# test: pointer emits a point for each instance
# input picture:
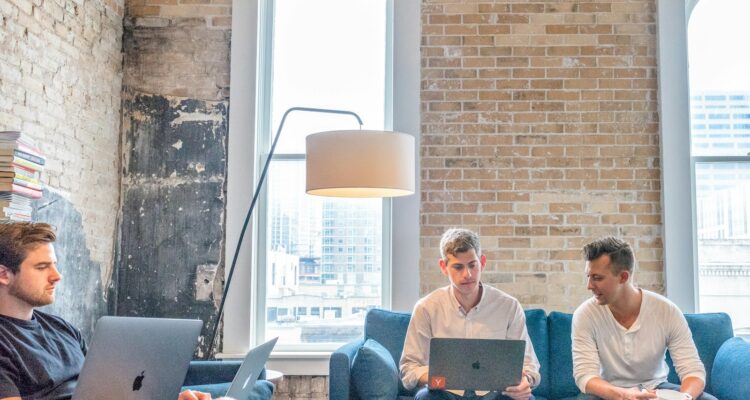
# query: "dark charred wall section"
(172, 228)
(80, 298)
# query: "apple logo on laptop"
(475, 365)
(138, 382)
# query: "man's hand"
(194, 395)
(520, 392)
(635, 394)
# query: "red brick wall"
(540, 132)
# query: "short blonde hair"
(459, 240)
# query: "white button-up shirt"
(496, 316)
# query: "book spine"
(27, 184)
(26, 192)
(27, 164)
(30, 178)
(38, 159)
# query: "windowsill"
(292, 363)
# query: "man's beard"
(32, 299)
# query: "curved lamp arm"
(261, 180)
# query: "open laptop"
(137, 359)
(476, 364)
(250, 369)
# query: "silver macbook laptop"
(137, 359)
(250, 369)
(476, 364)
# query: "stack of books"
(21, 165)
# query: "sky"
(718, 33)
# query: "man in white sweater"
(620, 336)
(464, 309)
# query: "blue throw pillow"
(374, 373)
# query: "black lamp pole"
(252, 207)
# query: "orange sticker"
(437, 382)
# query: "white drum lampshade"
(360, 164)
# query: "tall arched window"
(719, 81)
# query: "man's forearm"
(601, 388)
(692, 385)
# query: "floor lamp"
(356, 163)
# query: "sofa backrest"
(389, 329)
(536, 324)
(709, 331)
(561, 379)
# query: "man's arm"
(11, 398)
(692, 385)
(687, 363)
(194, 395)
(601, 388)
(413, 366)
(517, 330)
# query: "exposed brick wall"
(540, 131)
(60, 82)
(178, 48)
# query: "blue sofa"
(726, 358)
(215, 377)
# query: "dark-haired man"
(41, 355)
(620, 335)
(465, 309)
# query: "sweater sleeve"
(586, 363)
(415, 357)
(684, 354)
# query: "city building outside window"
(325, 255)
(719, 81)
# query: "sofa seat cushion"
(374, 373)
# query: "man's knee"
(427, 394)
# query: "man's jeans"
(427, 394)
(665, 385)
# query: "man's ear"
(443, 266)
(5, 275)
(624, 276)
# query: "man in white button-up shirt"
(464, 309)
(620, 336)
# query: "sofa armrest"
(340, 370)
(730, 375)
(208, 372)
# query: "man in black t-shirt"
(41, 355)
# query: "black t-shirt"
(40, 358)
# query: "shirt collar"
(457, 305)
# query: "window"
(312, 64)
(241, 326)
(720, 75)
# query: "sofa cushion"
(561, 379)
(536, 325)
(709, 331)
(729, 374)
(374, 373)
(389, 329)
